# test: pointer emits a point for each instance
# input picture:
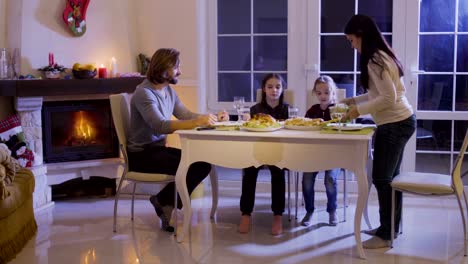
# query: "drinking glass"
(244, 114)
(293, 111)
(338, 112)
(238, 103)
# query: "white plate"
(346, 127)
(227, 123)
(310, 128)
(265, 129)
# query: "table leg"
(363, 193)
(181, 185)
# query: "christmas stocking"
(74, 16)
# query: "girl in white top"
(385, 100)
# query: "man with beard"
(153, 104)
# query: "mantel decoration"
(53, 70)
(74, 16)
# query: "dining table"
(298, 150)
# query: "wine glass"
(238, 103)
(338, 112)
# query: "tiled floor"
(80, 231)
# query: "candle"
(51, 59)
(113, 68)
(102, 72)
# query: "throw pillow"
(11, 134)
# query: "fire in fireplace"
(78, 130)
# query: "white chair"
(121, 117)
(433, 184)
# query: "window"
(252, 39)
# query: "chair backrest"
(456, 173)
(121, 116)
(288, 96)
(312, 99)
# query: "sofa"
(17, 222)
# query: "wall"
(2, 23)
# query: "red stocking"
(74, 16)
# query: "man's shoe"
(164, 213)
(372, 232)
(333, 219)
(375, 242)
(307, 220)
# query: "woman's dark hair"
(265, 80)
(161, 62)
(372, 41)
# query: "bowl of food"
(84, 74)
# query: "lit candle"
(102, 72)
(113, 68)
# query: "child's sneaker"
(307, 220)
(164, 213)
(333, 219)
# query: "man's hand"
(206, 120)
(223, 116)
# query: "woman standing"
(385, 100)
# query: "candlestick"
(102, 72)
(51, 59)
(113, 68)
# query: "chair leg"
(466, 204)
(392, 229)
(116, 201)
(464, 223)
(345, 195)
(214, 191)
(401, 216)
(175, 210)
(296, 174)
(133, 198)
(289, 195)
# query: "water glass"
(244, 114)
(238, 103)
(293, 111)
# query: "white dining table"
(293, 149)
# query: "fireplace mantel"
(62, 87)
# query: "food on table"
(262, 121)
(304, 121)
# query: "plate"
(346, 127)
(309, 128)
(263, 129)
(227, 123)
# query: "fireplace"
(78, 130)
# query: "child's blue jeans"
(308, 182)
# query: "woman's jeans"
(308, 182)
(389, 143)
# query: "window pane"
(461, 97)
(258, 77)
(435, 92)
(336, 54)
(271, 53)
(233, 84)
(436, 53)
(334, 19)
(270, 16)
(233, 16)
(344, 81)
(433, 163)
(463, 16)
(234, 53)
(459, 134)
(380, 10)
(433, 135)
(462, 53)
(437, 15)
(359, 88)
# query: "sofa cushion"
(20, 191)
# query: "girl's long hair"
(265, 80)
(372, 41)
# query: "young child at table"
(325, 91)
(272, 104)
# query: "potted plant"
(52, 71)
